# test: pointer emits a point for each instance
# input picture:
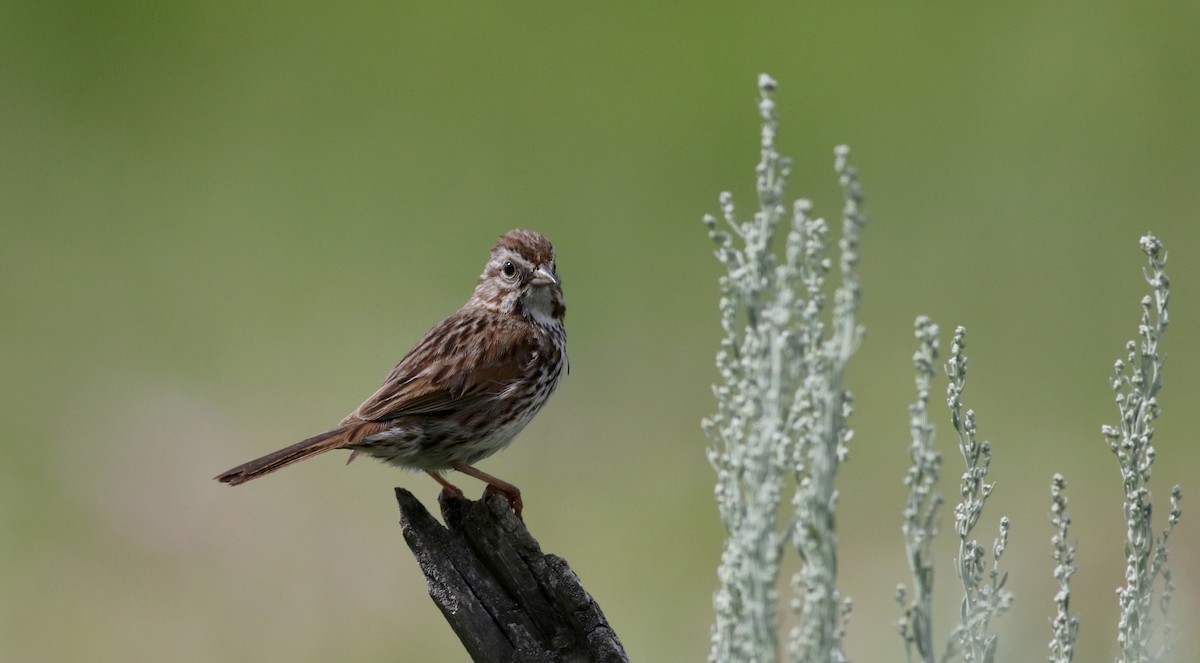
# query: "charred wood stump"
(506, 600)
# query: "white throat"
(539, 306)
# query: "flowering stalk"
(981, 600)
(920, 509)
(818, 416)
(1136, 382)
(781, 410)
(1064, 625)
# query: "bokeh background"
(223, 222)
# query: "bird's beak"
(543, 276)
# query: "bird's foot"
(513, 498)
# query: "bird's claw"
(513, 499)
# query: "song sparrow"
(469, 386)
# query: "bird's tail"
(299, 451)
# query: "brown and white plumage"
(469, 386)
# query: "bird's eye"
(509, 269)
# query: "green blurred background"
(223, 222)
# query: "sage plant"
(781, 412)
(1136, 382)
(984, 596)
(1064, 625)
(920, 524)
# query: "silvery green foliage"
(781, 410)
(920, 509)
(1136, 382)
(1064, 625)
(819, 412)
(984, 596)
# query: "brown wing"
(465, 360)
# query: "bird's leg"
(509, 491)
(449, 490)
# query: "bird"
(468, 387)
